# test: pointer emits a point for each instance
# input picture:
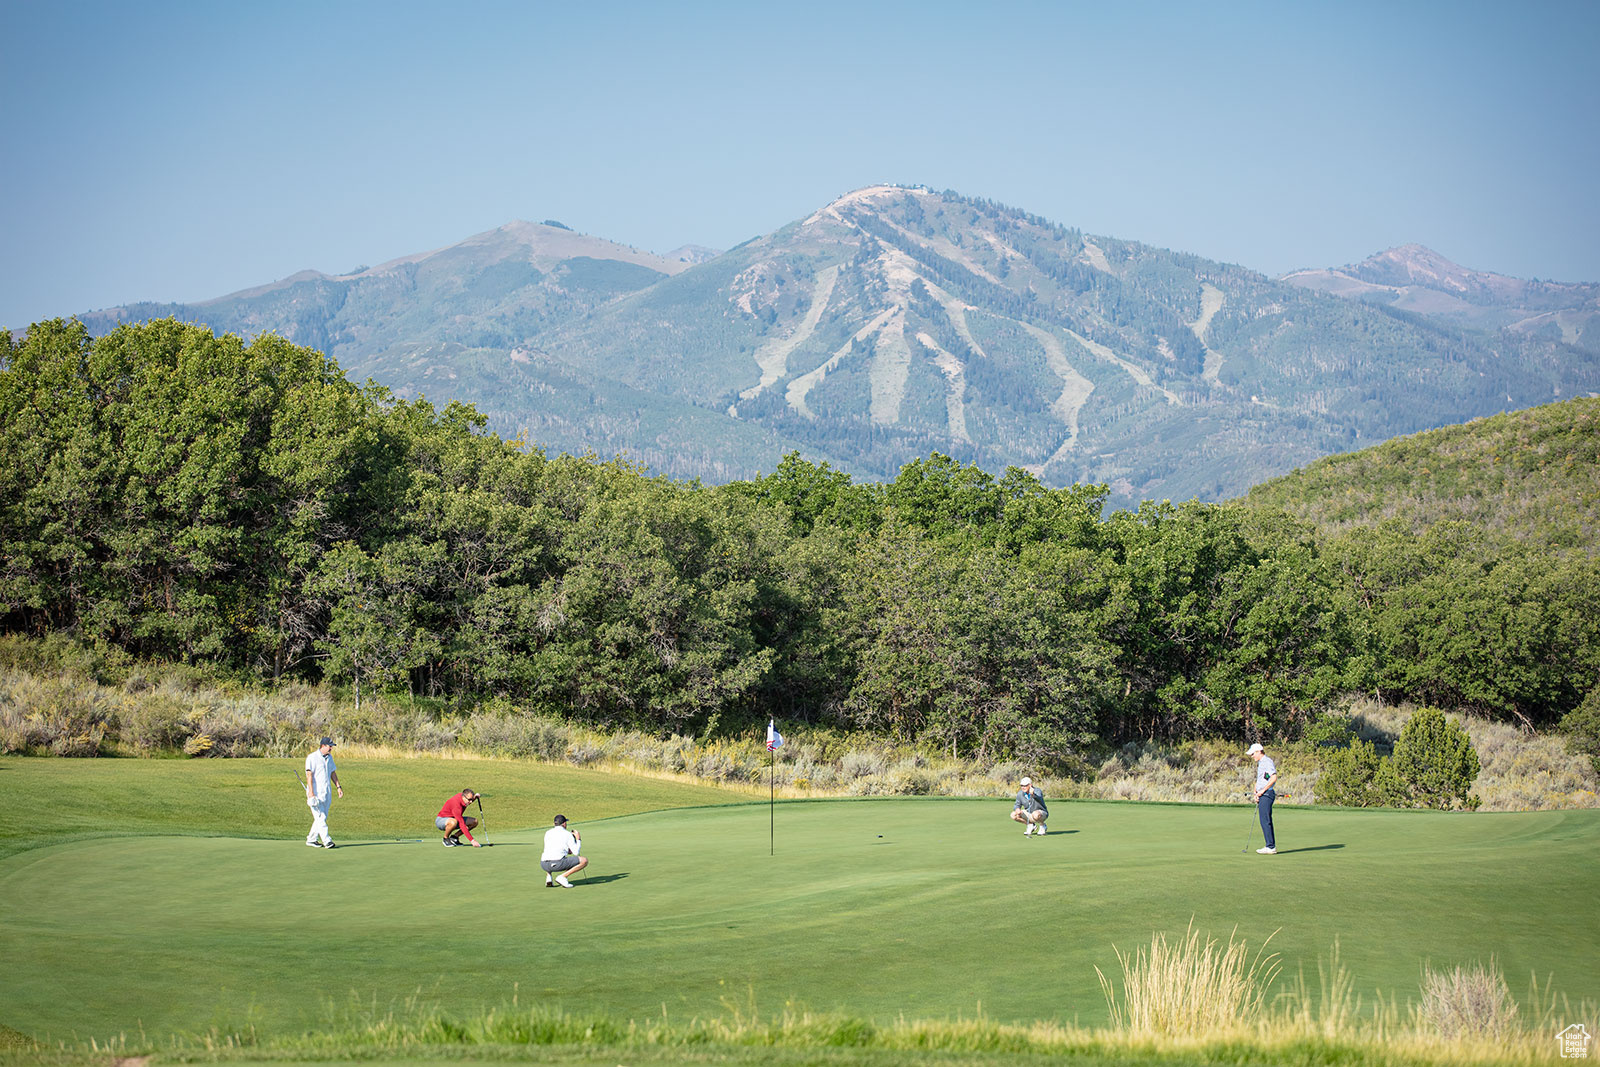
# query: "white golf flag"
(774, 738)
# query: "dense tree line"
(189, 497)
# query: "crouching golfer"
(1030, 809)
(561, 854)
(322, 777)
(454, 820)
(1266, 778)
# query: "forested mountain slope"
(897, 321)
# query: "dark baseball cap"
(560, 820)
(327, 741)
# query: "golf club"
(483, 822)
(1253, 823)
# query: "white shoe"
(1267, 851)
(563, 883)
(1027, 832)
(1041, 829)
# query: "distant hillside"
(1532, 474)
(494, 290)
(894, 322)
(1417, 279)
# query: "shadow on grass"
(603, 878)
(1309, 848)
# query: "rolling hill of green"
(1532, 475)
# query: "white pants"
(319, 818)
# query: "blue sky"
(180, 151)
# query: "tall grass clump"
(1197, 986)
(1333, 1013)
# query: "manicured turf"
(878, 908)
(49, 801)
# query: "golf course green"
(882, 908)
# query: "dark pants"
(1264, 809)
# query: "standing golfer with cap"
(561, 854)
(1030, 809)
(321, 774)
(1266, 778)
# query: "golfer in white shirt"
(322, 777)
(1264, 794)
(561, 854)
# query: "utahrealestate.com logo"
(1574, 1042)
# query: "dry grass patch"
(1190, 987)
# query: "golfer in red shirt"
(454, 820)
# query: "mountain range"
(897, 321)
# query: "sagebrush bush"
(517, 736)
(1468, 1002)
(583, 753)
(862, 763)
(154, 723)
(65, 714)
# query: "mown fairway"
(878, 908)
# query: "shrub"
(232, 732)
(521, 736)
(583, 753)
(910, 778)
(1468, 1002)
(65, 715)
(1350, 777)
(1581, 726)
(58, 653)
(861, 764)
(1434, 763)
(155, 722)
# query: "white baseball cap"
(1026, 780)
(1253, 749)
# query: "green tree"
(376, 630)
(1460, 618)
(168, 486)
(1434, 762)
(1581, 726)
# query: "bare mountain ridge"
(896, 321)
(1415, 278)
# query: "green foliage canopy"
(179, 495)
